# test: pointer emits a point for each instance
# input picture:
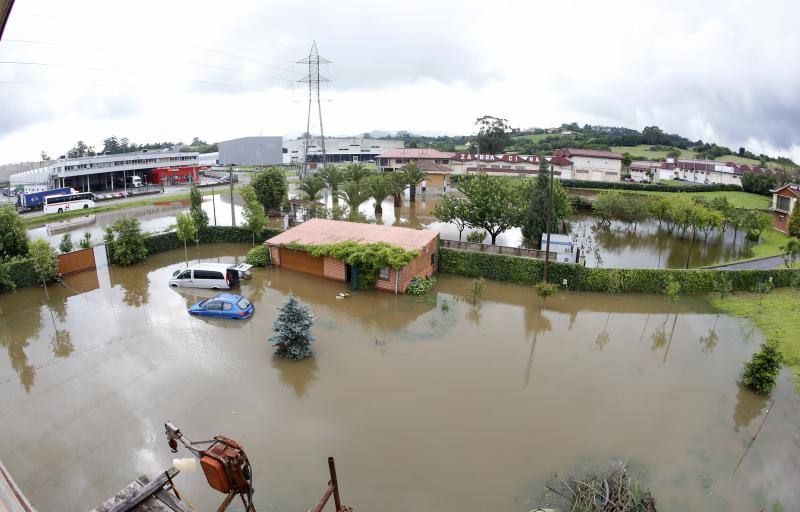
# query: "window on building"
(383, 274)
(784, 203)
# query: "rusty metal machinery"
(224, 464)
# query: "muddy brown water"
(425, 407)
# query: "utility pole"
(313, 79)
(549, 225)
(233, 211)
(213, 204)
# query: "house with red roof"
(508, 165)
(285, 251)
(784, 201)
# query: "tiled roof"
(324, 231)
(789, 187)
(560, 161)
(418, 153)
(591, 153)
(433, 167)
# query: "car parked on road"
(224, 305)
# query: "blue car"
(224, 305)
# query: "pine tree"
(293, 338)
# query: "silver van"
(216, 276)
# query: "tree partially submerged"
(494, 204)
(293, 338)
(253, 212)
(199, 215)
(14, 239)
(271, 188)
(452, 210)
(186, 231)
(761, 372)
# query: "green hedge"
(608, 280)
(17, 273)
(212, 234)
(655, 187)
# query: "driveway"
(760, 264)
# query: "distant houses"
(705, 172)
(570, 163)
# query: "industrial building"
(254, 151)
(113, 172)
(338, 150)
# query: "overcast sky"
(722, 71)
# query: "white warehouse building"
(109, 172)
(338, 150)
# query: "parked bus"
(68, 202)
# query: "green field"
(537, 137)
(644, 151)
(744, 200)
(775, 315)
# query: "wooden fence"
(76, 261)
(496, 249)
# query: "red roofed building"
(395, 159)
(518, 165)
(784, 201)
(323, 231)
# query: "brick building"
(323, 231)
(784, 201)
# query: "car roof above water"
(227, 296)
(211, 266)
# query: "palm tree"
(334, 177)
(311, 187)
(356, 172)
(353, 193)
(400, 181)
(382, 185)
(413, 176)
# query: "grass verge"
(41, 220)
(776, 315)
(744, 200)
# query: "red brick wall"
(782, 218)
(275, 255)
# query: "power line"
(259, 37)
(123, 71)
(291, 80)
(242, 58)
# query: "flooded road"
(424, 406)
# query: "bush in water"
(420, 285)
(258, 256)
(293, 338)
(761, 372)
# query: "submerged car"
(224, 305)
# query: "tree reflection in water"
(297, 375)
(749, 405)
(15, 335)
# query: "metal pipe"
(324, 500)
(335, 484)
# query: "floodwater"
(155, 218)
(424, 406)
(645, 245)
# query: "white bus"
(68, 202)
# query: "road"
(760, 264)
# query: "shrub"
(13, 235)
(529, 272)
(761, 372)
(420, 285)
(476, 237)
(129, 242)
(672, 288)
(43, 259)
(258, 256)
(86, 241)
(271, 188)
(626, 185)
(545, 290)
(293, 338)
(65, 245)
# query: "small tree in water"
(293, 338)
(761, 372)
